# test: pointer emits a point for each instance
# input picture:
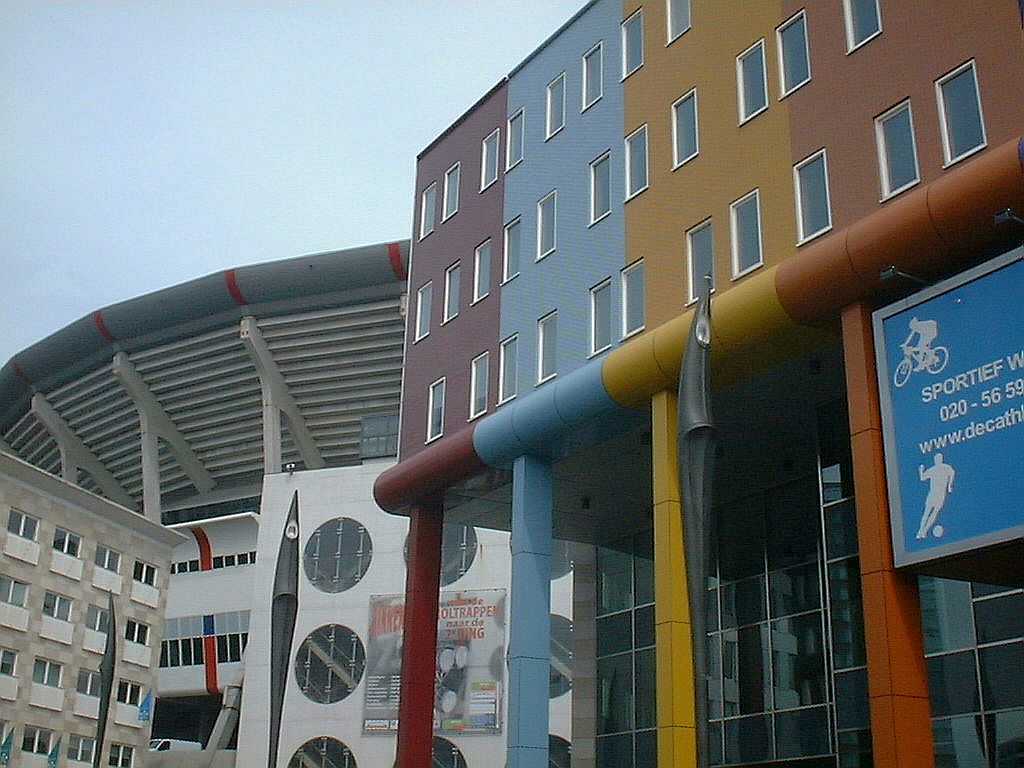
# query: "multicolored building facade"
(816, 163)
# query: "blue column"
(530, 630)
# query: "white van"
(174, 745)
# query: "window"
(547, 214)
(144, 573)
(451, 192)
(67, 542)
(108, 559)
(8, 659)
(751, 82)
(478, 385)
(684, 129)
(600, 188)
(632, 43)
(513, 245)
(489, 160)
(121, 756)
(80, 748)
(593, 75)
(701, 255)
(636, 162)
(600, 317)
(97, 619)
(508, 364)
(678, 17)
(963, 131)
(633, 313)
(428, 209)
(745, 223)
(230, 646)
(36, 740)
(452, 279)
(423, 298)
(13, 591)
(46, 672)
(22, 525)
(57, 606)
(482, 270)
(794, 54)
(514, 150)
(863, 22)
(810, 177)
(897, 152)
(129, 692)
(88, 682)
(435, 410)
(556, 106)
(547, 346)
(136, 632)
(181, 652)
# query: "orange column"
(897, 679)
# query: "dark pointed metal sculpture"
(284, 606)
(107, 665)
(696, 435)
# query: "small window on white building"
(547, 217)
(46, 672)
(678, 17)
(428, 209)
(513, 250)
(794, 53)
(121, 755)
(751, 82)
(136, 632)
(514, 150)
(963, 129)
(451, 192)
(556, 106)
(129, 692)
(12, 591)
(435, 410)
(593, 75)
(482, 270)
(22, 525)
(547, 347)
(701, 257)
(36, 741)
(745, 225)
(108, 559)
(600, 188)
(67, 542)
(80, 748)
(600, 317)
(144, 573)
(57, 606)
(452, 281)
(636, 162)
(423, 300)
(508, 364)
(632, 43)
(479, 372)
(897, 150)
(8, 661)
(863, 22)
(489, 160)
(813, 210)
(633, 317)
(684, 129)
(97, 618)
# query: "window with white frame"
(555, 106)
(633, 312)
(47, 672)
(108, 559)
(129, 692)
(136, 632)
(684, 129)
(863, 22)
(67, 542)
(632, 43)
(600, 317)
(482, 270)
(12, 591)
(701, 257)
(489, 159)
(600, 188)
(80, 748)
(897, 150)
(423, 299)
(963, 129)
(547, 346)
(435, 410)
(547, 215)
(452, 281)
(593, 75)
(8, 661)
(813, 210)
(22, 525)
(144, 573)
(636, 162)
(751, 81)
(450, 205)
(514, 148)
(428, 209)
(36, 740)
(88, 682)
(745, 226)
(794, 53)
(121, 756)
(512, 250)
(97, 618)
(508, 364)
(57, 606)
(479, 371)
(678, 13)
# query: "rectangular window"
(678, 17)
(751, 81)
(428, 210)
(745, 223)
(451, 192)
(863, 22)
(67, 542)
(13, 591)
(482, 270)
(136, 632)
(489, 160)
(684, 129)
(144, 573)
(813, 211)
(600, 188)
(80, 748)
(636, 162)
(452, 281)
(46, 672)
(22, 525)
(8, 659)
(963, 130)
(36, 741)
(129, 692)
(88, 682)
(508, 363)
(514, 150)
(897, 151)
(547, 214)
(479, 372)
(794, 54)
(556, 106)
(633, 313)
(97, 618)
(593, 75)
(547, 346)
(121, 756)
(632, 43)
(435, 410)
(423, 299)
(108, 559)
(701, 255)
(513, 246)
(600, 317)
(57, 606)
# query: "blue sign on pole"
(951, 383)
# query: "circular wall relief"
(561, 656)
(338, 554)
(458, 551)
(444, 754)
(329, 663)
(322, 752)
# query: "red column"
(419, 646)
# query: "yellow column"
(675, 684)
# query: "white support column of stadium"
(155, 423)
(277, 400)
(74, 454)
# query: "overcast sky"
(147, 142)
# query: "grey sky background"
(144, 143)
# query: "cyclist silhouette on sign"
(920, 356)
(939, 477)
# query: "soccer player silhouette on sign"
(939, 477)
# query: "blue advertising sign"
(951, 382)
